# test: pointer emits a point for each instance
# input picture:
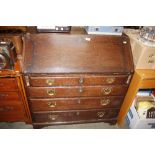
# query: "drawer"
(9, 96)
(75, 103)
(74, 116)
(92, 91)
(11, 111)
(12, 107)
(77, 80)
(8, 84)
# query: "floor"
(101, 125)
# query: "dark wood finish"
(75, 103)
(85, 80)
(75, 77)
(8, 84)
(10, 29)
(74, 116)
(76, 91)
(66, 53)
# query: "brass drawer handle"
(52, 117)
(81, 80)
(107, 90)
(50, 82)
(52, 104)
(51, 92)
(105, 102)
(110, 80)
(100, 114)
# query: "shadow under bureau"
(76, 78)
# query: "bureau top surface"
(76, 53)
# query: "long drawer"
(9, 96)
(11, 107)
(77, 80)
(12, 116)
(74, 116)
(11, 111)
(92, 91)
(8, 84)
(75, 103)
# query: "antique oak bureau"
(76, 78)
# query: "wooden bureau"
(76, 78)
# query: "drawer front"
(12, 117)
(75, 103)
(11, 111)
(92, 91)
(77, 80)
(8, 84)
(74, 116)
(9, 107)
(9, 96)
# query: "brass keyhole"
(80, 90)
(81, 80)
(53, 117)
